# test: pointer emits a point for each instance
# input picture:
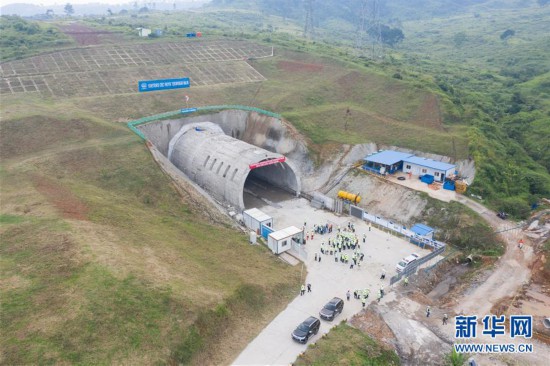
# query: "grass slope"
(102, 262)
(345, 345)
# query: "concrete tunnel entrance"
(230, 170)
(269, 185)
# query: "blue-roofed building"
(423, 231)
(385, 161)
(423, 166)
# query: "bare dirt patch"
(293, 66)
(61, 197)
(371, 322)
(87, 36)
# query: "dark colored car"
(503, 215)
(309, 327)
(332, 308)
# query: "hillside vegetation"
(345, 345)
(488, 63)
(21, 37)
(471, 82)
(102, 260)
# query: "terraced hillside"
(116, 69)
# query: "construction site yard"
(328, 278)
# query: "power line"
(369, 29)
(362, 25)
(375, 29)
(308, 27)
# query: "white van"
(406, 262)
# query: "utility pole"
(347, 118)
(362, 25)
(308, 27)
(375, 30)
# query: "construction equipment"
(355, 198)
(461, 186)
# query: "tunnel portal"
(223, 165)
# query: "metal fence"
(396, 229)
(437, 247)
(412, 269)
(356, 212)
(299, 250)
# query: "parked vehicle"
(332, 309)
(309, 327)
(503, 215)
(406, 262)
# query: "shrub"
(515, 206)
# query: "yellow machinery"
(355, 198)
(460, 186)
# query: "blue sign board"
(164, 84)
(188, 110)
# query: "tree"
(391, 36)
(388, 35)
(507, 34)
(459, 39)
(69, 10)
(110, 12)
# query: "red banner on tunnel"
(267, 162)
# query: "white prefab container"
(254, 218)
(143, 32)
(421, 166)
(281, 240)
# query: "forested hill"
(348, 10)
(489, 58)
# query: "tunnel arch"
(221, 164)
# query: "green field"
(104, 262)
(345, 345)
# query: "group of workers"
(345, 240)
(317, 229)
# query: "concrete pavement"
(274, 345)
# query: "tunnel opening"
(220, 156)
(269, 185)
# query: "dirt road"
(404, 311)
(511, 271)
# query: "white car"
(406, 262)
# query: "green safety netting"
(132, 125)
